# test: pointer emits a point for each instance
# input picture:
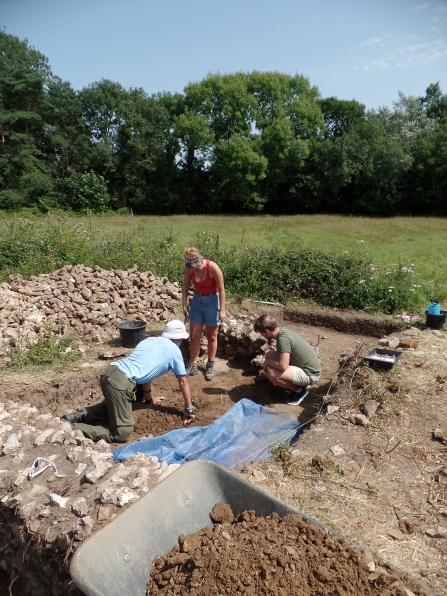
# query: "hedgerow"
(250, 271)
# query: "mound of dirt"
(262, 556)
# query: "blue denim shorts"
(205, 310)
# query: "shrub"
(84, 192)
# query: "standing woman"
(207, 307)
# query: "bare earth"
(263, 556)
(384, 492)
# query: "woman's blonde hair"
(191, 254)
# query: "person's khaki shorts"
(302, 378)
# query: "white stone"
(75, 454)
(98, 472)
(11, 444)
(337, 450)
(80, 468)
(58, 500)
(58, 437)
(44, 417)
(21, 477)
(140, 480)
(42, 437)
(7, 428)
(28, 430)
(359, 419)
(122, 471)
(168, 471)
(101, 445)
(27, 509)
(80, 507)
(37, 490)
(98, 458)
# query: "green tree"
(103, 105)
(287, 120)
(372, 167)
(84, 192)
(408, 120)
(435, 103)
(146, 170)
(23, 75)
(237, 170)
(67, 145)
(425, 184)
(340, 115)
(225, 101)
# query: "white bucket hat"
(175, 330)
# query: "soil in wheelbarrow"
(282, 556)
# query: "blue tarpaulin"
(246, 432)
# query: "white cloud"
(373, 41)
(422, 6)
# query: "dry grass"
(389, 466)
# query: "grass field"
(418, 244)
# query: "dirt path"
(382, 492)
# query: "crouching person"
(294, 365)
(152, 358)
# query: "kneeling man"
(294, 365)
(152, 358)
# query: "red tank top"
(207, 285)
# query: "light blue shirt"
(152, 358)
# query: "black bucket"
(132, 332)
(436, 321)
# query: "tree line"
(243, 142)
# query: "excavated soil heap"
(282, 556)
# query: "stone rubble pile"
(237, 340)
(90, 301)
(32, 511)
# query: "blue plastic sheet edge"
(246, 432)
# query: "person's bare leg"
(211, 335)
(282, 379)
(195, 333)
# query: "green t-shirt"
(301, 352)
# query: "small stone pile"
(86, 300)
(41, 528)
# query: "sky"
(367, 50)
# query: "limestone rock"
(40, 438)
(80, 507)
(439, 334)
(104, 513)
(11, 444)
(100, 469)
(391, 342)
(359, 419)
(168, 471)
(121, 496)
(370, 408)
